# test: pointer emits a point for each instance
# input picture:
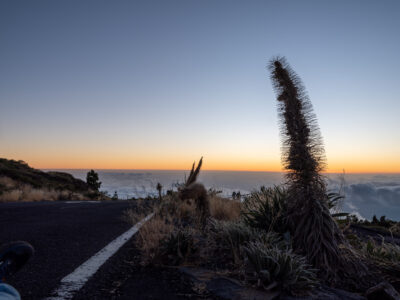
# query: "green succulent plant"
(273, 268)
(232, 236)
(266, 209)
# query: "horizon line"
(214, 170)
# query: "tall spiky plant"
(315, 233)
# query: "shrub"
(186, 212)
(177, 246)
(224, 209)
(228, 237)
(374, 220)
(395, 228)
(385, 252)
(92, 180)
(150, 237)
(11, 196)
(7, 183)
(266, 209)
(181, 212)
(169, 205)
(231, 236)
(236, 196)
(334, 204)
(159, 189)
(353, 239)
(271, 267)
(197, 192)
(132, 217)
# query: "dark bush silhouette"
(375, 220)
(159, 189)
(92, 179)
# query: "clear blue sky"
(156, 84)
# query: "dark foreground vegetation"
(20, 182)
(251, 243)
(284, 241)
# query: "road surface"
(64, 235)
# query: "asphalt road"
(64, 236)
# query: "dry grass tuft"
(7, 182)
(132, 217)
(224, 209)
(11, 196)
(176, 222)
(28, 194)
(186, 210)
(151, 235)
(153, 232)
(32, 195)
(198, 193)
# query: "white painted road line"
(71, 283)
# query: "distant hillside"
(20, 182)
(21, 172)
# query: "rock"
(396, 285)
(382, 291)
(326, 293)
(224, 287)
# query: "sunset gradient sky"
(158, 84)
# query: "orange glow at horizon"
(210, 163)
(171, 157)
(159, 164)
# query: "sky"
(158, 84)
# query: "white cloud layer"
(366, 194)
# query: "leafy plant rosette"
(272, 268)
(178, 246)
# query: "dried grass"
(186, 210)
(26, 193)
(224, 209)
(7, 182)
(11, 196)
(151, 235)
(132, 217)
(33, 195)
(79, 197)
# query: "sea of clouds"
(366, 194)
(370, 194)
